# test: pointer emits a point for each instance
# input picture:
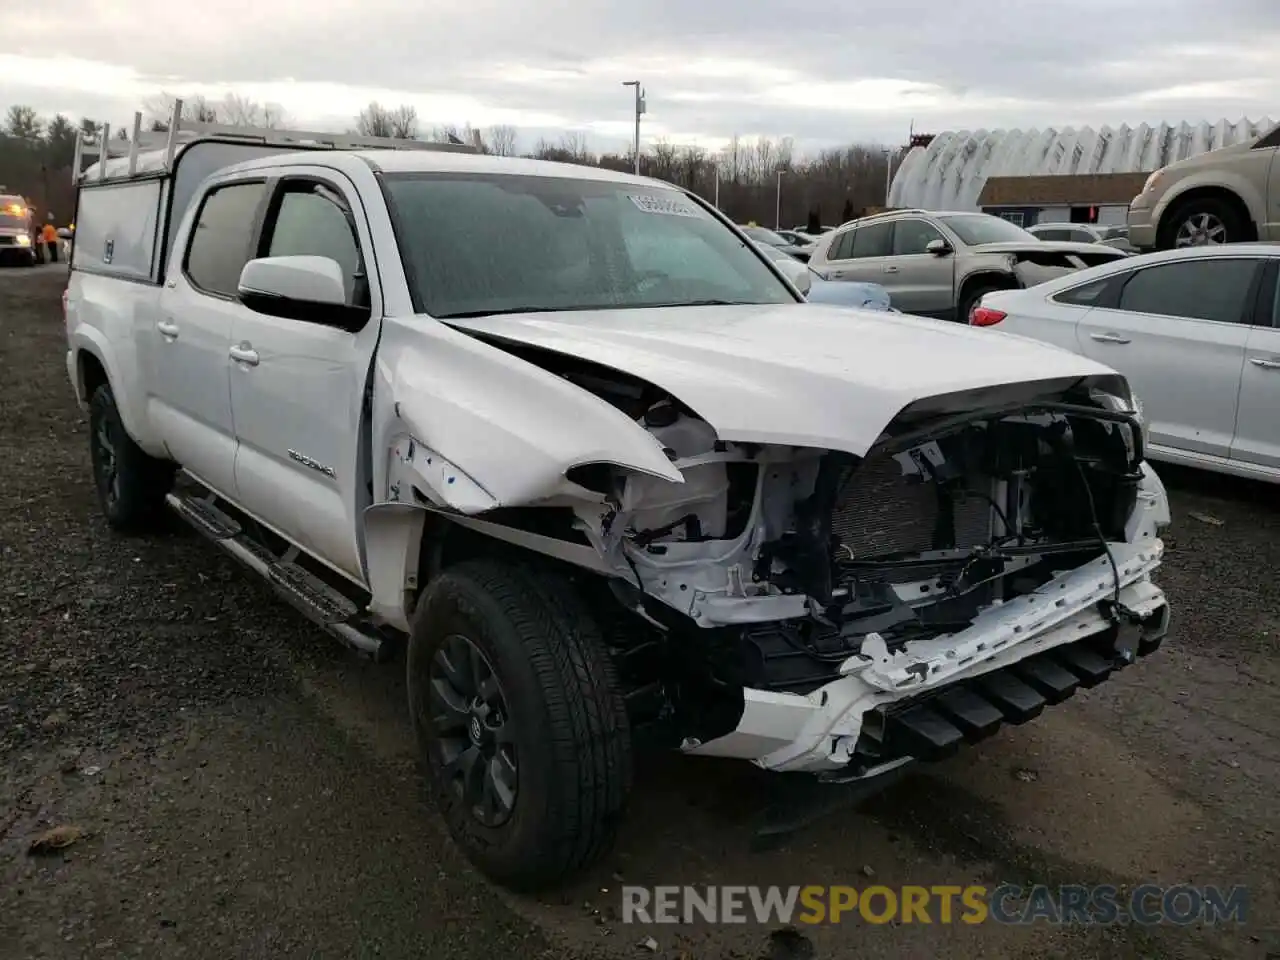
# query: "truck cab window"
(311, 221)
(219, 246)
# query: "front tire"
(131, 484)
(523, 733)
(1201, 222)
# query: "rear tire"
(522, 730)
(131, 484)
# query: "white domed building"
(1040, 176)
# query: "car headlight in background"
(24, 240)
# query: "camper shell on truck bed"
(133, 194)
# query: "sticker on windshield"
(668, 205)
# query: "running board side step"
(302, 590)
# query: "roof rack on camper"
(149, 154)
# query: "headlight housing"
(1132, 406)
(24, 240)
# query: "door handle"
(168, 329)
(1265, 363)
(890, 269)
(244, 353)
(1109, 338)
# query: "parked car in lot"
(609, 479)
(1196, 331)
(869, 296)
(940, 264)
(1230, 195)
(17, 232)
(1111, 236)
(772, 238)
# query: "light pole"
(639, 111)
(888, 174)
(777, 215)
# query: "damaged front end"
(814, 610)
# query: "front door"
(297, 387)
(185, 343)
(925, 282)
(1177, 331)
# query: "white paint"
(804, 374)
(1228, 423)
(950, 173)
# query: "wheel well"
(1210, 193)
(992, 280)
(91, 372)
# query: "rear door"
(297, 387)
(925, 282)
(1269, 229)
(1257, 438)
(831, 253)
(1177, 331)
(870, 258)
(186, 341)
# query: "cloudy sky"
(822, 73)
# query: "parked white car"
(1196, 331)
(568, 434)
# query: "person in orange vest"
(49, 237)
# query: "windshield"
(764, 235)
(975, 228)
(1114, 233)
(476, 244)
(13, 213)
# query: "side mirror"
(310, 289)
(797, 273)
(939, 247)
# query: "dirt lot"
(248, 789)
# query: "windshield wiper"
(692, 303)
(471, 314)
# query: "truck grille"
(881, 512)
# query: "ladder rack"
(149, 154)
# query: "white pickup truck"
(573, 441)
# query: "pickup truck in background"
(17, 232)
(573, 442)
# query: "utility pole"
(888, 174)
(639, 111)
(777, 216)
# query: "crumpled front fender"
(478, 428)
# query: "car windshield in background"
(1114, 233)
(764, 235)
(976, 228)
(9, 222)
(476, 244)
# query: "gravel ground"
(246, 788)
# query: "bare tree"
(239, 111)
(23, 123)
(574, 145)
(195, 109)
(502, 140)
(404, 122)
(374, 121)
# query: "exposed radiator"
(882, 512)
